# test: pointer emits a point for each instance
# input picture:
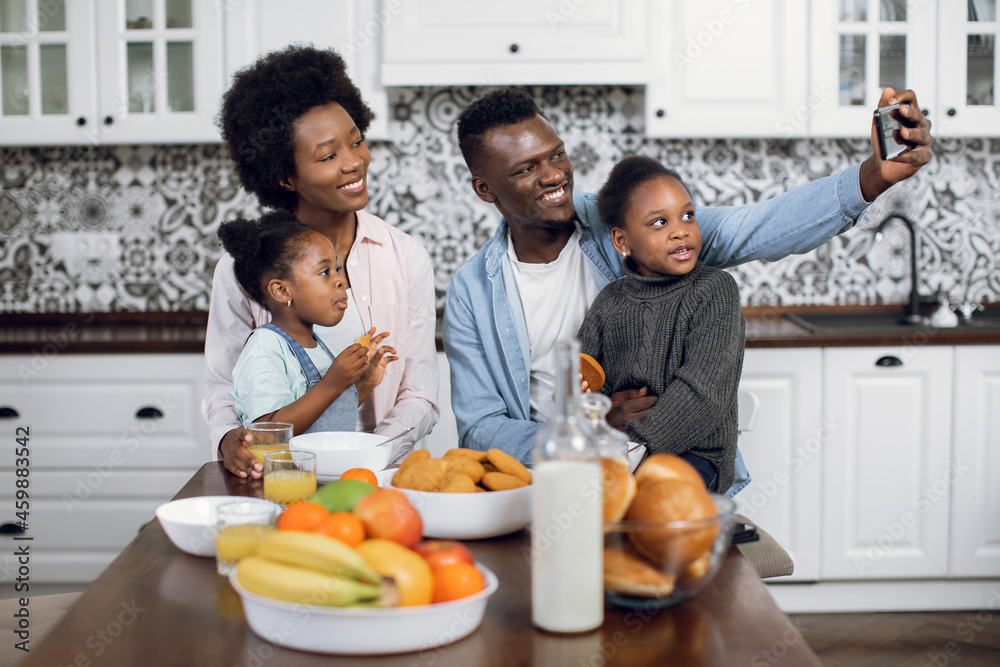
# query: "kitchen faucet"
(913, 309)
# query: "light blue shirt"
(267, 376)
(485, 335)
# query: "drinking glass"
(269, 437)
(241, 525)
(289, 476)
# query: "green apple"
(341, 495)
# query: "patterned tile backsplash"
(126, 228)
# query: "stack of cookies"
(461, 471)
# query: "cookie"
(457, 482)
(425, 475)
(473, 454)
(498, 481)
(365, 340)
(466, 466)
(591, 371)
(507, 464)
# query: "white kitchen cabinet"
(477, 42)
(354, 28)
(783, 452)
(725, 68)
(88, 72)
(887, 473)
(944, 50)
(975, 509)
(109, 437)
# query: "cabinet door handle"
(952, 111)
(149, 413)
(109, 120)
(81, 121)
(514, 48)
(11, 528)
(8, 413)
(889, 361)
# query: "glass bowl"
(652, 565)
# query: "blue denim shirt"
(486, 336)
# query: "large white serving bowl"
(339, 451)
(362, 631)
(468, 516)
(190, 522)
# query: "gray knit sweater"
(683, 337)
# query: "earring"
(624, 255)
(289, 303)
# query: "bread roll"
(627, 572)
(618, 487)
(667, 466)
(659, 500)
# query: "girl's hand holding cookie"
(376, 365)
(349, 366)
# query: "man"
(530, 285)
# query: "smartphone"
(744, 533)
(887, 128)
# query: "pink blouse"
(393, 286)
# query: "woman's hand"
(235, 456)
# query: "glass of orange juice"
(289, 476)
(241, 525)
(269, 437)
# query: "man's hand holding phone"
(878, 174)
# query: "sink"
(855, 322)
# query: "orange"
(456, 581)
(302, 515)
(364, 474)
(343, 526)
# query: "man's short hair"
(494, 109)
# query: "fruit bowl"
(651, 565)
(190, 522)
(339, 451)
(468, 516)
(364, 631)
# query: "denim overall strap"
(342, 414)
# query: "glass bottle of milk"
(567, 587)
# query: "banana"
(317, 552)
(290, 583)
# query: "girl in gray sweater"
(672, 324)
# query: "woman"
(294, 124)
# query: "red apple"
(439, 553)
(389, 514)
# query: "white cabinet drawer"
(124, 411)
(80, 520)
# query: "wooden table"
(155, 605)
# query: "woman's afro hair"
(261, 108)
(264, 249)
(615, 196)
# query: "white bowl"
(361, 631)
(635, 454)
(339, 451)
(190, 522)
(468, 516)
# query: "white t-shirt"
(555, 298)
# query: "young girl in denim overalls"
(285, 373)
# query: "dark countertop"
(184, 332)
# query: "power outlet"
(85, 245)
